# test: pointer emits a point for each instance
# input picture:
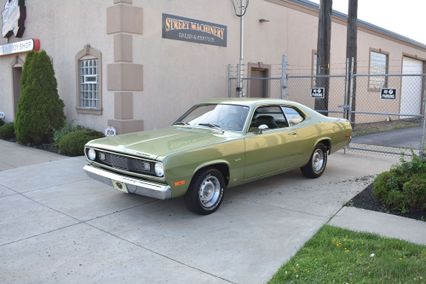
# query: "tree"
(40, 110)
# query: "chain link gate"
(386, 110)
(387, 113)
(259, 80)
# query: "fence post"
(423, 143)
(284, 77)
(352, 101)
(346, 97)
(229, 80)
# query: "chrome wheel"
(209, 192)
(205, 194)
(317, 163)
(318, 160)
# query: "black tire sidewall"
(192, 199)
(308, 170)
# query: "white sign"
(110, 131)
(318, 92)
(19, 47)
(12, 18)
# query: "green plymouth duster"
(217, 145)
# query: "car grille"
(125, 163)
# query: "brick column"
(123, 76)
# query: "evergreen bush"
(59, 134)
(72, 143)
(7, 131)
(403, 187)
(40, 110)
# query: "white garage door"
(411, 90)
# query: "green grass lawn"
(336, 255)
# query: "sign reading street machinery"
(13, 18)
(180, 28)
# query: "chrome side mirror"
(261, 128)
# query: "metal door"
(411, 89)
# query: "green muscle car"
(217, 145)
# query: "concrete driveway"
(56, 225)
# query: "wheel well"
(327, 144)
(222, 167)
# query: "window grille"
(89, 83)
(378, 66)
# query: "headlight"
(91, 154)
(159, 169)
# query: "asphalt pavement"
(399, 138)
(59, 226)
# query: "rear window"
(294, 116)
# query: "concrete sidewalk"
(57, 225)
(386, 225)
(13, 155)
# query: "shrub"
(7, 131)
(1, 122)
(403, 188)
(40, 110)
(59, 134)
(415, 192)
(72, 143)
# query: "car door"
(304, 131)
(269, 151)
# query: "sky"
(405, 17)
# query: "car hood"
(157, 144)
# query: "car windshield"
(219, 116)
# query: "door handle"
(292, 133)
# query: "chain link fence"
(386, 110)
(387, 113)
(258, 80)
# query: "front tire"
(317, 163)
(205, 194)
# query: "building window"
(89, 82)
(378, 66)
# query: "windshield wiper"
(211, 125)
(180, 123)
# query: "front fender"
(212, 163)
(180, 168)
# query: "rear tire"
(205, 194)
(317, 163)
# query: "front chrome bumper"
(136, 186)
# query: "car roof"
(250, 102)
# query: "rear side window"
(293, 115)
(272, 116)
